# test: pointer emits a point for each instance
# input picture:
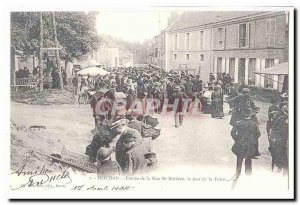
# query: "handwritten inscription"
(42, 177)
(101, 188)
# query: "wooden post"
(41, 74)
(57, 53)
(13, 66)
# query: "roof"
(201, 18)
(279, 69)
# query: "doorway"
(241, 72)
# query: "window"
(201, 39)
(187, 57)
(187, 42)
(269, 78)
(220, 38)
(175, 56)
(242, 35)
(175, 41)
(201, 57)
(271, 24)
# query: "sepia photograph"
(152, 103)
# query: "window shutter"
(215, 38)
(237, 36)
(272, 33)
(268, 33)
(247, 35)
(223, 38)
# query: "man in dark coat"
(133, 122)
(196, 83)
(179, 105)
(245, 134)
(121, 127)
(272, 111)
(134, 159)
(241, 102)
(170, 88)
(188, 87)
(75, 83)
(105, 166)
(231, 91)
(279, 140)
(64, 76)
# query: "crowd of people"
(127, 128)
(25, 73)
(151, 83)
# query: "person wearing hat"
(272, 111)
(284, 99)
(196, 84)
(217, 103)
(105, 166)
(189, 87)
(179, 111)
(134, 160)
(231, 91)
(178, 82)
(278, 140)
(170, 87)
(211, 78)
(133, 122)
(245, 134)
(75, 83)
(226, 80)
(121, 128)
(156, 93)
(141, 89)
(240, 103)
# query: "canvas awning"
(155, 66)
(93, 71)
(279, 69)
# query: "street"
(201, 141)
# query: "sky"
(132, 25)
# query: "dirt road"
(200, 142)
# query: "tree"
(173, 16)
(76, 33)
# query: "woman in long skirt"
(217, 103)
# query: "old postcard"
(152, 103)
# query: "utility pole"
(57, 53)
(41, 74)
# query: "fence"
(25, 84)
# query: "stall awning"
(279, 69)
(93, 71)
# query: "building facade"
(108, 56)
(158, 50)
(238, 43)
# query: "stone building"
(108, 56)
(159, 49)
(234, 42)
